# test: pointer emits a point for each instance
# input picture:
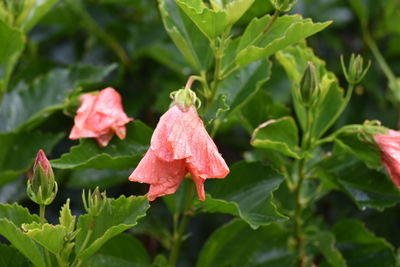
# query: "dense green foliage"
(306, 184)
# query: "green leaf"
(324, 243)
(240, 87)
(280, 135)
(210, 22)
(28, 105)
(366, 187)
(250, 198)
(66, 219)
(236, 244)
(360, 247)
(358, 141)
(259, 109)
(111, 254)
(16, 214)
(116, 217)
(10, 256)
(286, 30)
(51, 237)
(18, 150)
(193, 45)
(119, 154)
(13, 42)
(12, 217)
(31, 16)
(294, 59)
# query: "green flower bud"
(42, 187)
(309, 85)
(356, 70)
(283, 5)
(94, 202)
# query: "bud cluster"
(94, 202)
(283, 5)
(356, 70)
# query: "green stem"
(298, 221)
(42, 209)
(299, 205)
(379, 57)
(77, 261)
(92, 26)
(272, 21)
(179, 232)
(218, 54)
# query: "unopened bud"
(309, 85)
(94, 202)
(356, 70)
(42, 187)
(283, 5)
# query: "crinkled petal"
(99, 116)
(104, 139)
(205, 157)
(199, 187)
(170, 140)
(164, 177)
(390, 154)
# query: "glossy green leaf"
(294, 59)
(18, 150)
(116, 217)
(119, 154)
(123, 250)
(240, 87)
(246, 192)
(324, 242)
(261, 108)
(28, 105)
(11, 219)
(193, 45)
(358, 141)
(16, 214)
(360, 247)
(66, 219)
(210, 22)
(10, 256)
(236, 244)
(13, 42)
(51, 237)
(287, 30)
(366, 187)
(281, 135)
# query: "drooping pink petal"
(104, 139)
(164, 177)
(170, 140)
(390, 154)
(205, 157)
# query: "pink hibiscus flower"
(100, 116)
(390, 154)
(180, 144)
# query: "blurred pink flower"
(390, 153)
(100, 116)
(180, 144)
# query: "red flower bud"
(100, 116)
(43, 161)
(390, 154)
(180, 144)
